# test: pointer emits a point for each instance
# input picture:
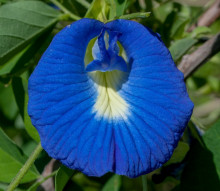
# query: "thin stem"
(25, 168)
(38, 183)
(84, 3)
(133, 16)
(144, 182)
(65, 10)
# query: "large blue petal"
(62, 96)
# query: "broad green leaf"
(162, 12)
(120, 7)
(178, 27)
(11, 161)
(98, 10)
(24, 59)
(62, 177)
(113, 11)
(212, 142)
(179, 153)
(117, 8)
(22, 22)
(113, 184)
(180, 47)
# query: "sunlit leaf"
(11, 160)
(179, 153)
(97, 10)
(201, 30)
(180, 47)
(22, 22)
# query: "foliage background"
(195, 164)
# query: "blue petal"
(63, 96)
(106, 59)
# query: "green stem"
(144, 182)
(65, 10)
(38, 183)
(25, 168)
(133, 16)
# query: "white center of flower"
(109, 103)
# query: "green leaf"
(22, 22)
(117, 8)
(212, 140)
(120, 7)
(180, 47)
(200, 31)
(178, 27)
(24, 59)
(179, 153)
(113, 184)
(98, 10)
(62, 177)
(11, 161)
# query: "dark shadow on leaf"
(199, 173)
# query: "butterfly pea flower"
(123, 110)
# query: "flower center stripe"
(109, 103)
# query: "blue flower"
(121, 108)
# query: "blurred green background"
(195, 164)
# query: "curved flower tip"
(124, 111)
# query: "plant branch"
(142, 15)
(48, 169)
(65, 10)
(42, 180)
(15, 182)
(191, 62)
(208, 17)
